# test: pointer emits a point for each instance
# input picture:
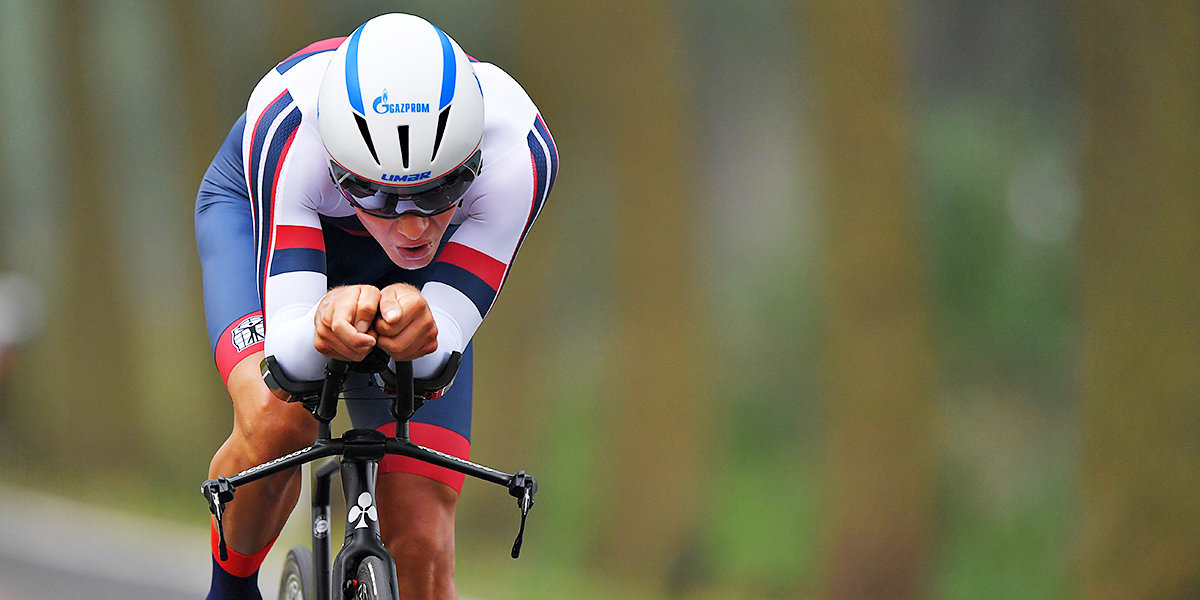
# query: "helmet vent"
(441, 129)
(366, 134)
(403, 131)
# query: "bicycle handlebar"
(324, 391)
(320, 398)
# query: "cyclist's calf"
(264, 428)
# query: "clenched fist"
(353, 319)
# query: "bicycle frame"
(360, 451)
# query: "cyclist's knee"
(263, 424)
(428, 551)
(418, 519)
(273, 428)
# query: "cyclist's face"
(410, 241)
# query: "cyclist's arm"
(286, 170)
(496, 215)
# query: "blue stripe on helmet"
(448, 74)
(352, 87)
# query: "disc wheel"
(374, 580)
(296, 583)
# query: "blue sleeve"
(225, 238)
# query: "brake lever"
(218, 492)
(522, 487)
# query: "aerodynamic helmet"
(400, 113)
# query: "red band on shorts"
(242, 338)
(434, 438)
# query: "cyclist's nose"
(411, 226)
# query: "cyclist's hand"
(405, 325)
(343, 321)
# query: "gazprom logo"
(383, 107)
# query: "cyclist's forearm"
(450, 340)
(290, 336)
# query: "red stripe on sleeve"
(296, 236)
(490, 270)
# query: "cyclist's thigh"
(443, 424)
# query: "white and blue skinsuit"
(274, 235)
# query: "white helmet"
(401, 115)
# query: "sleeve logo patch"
(247, 333)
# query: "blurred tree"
(294, 25)
(183, 362)
(1140, 520)
(197, 70)
(880, 366)
(94, 391)
(619, 67)
(509, 382)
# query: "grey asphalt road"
(54, 548)
(51, 548)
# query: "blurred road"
(54, 548)
(51, 548)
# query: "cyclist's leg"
(418, 501)
(264, 427)
(417, 525)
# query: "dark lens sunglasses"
(389, 202)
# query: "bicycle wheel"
(297, 580)
(374, 581)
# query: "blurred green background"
(832, 299)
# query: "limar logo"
(383, 107)
(410, 177)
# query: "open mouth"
(415, 252)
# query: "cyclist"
(375, 193)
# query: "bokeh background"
(832, 299)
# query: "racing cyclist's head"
(400, 113)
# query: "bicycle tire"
(296, 583)
(373, 581)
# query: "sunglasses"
(390, 202)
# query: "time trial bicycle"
(363, 568)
